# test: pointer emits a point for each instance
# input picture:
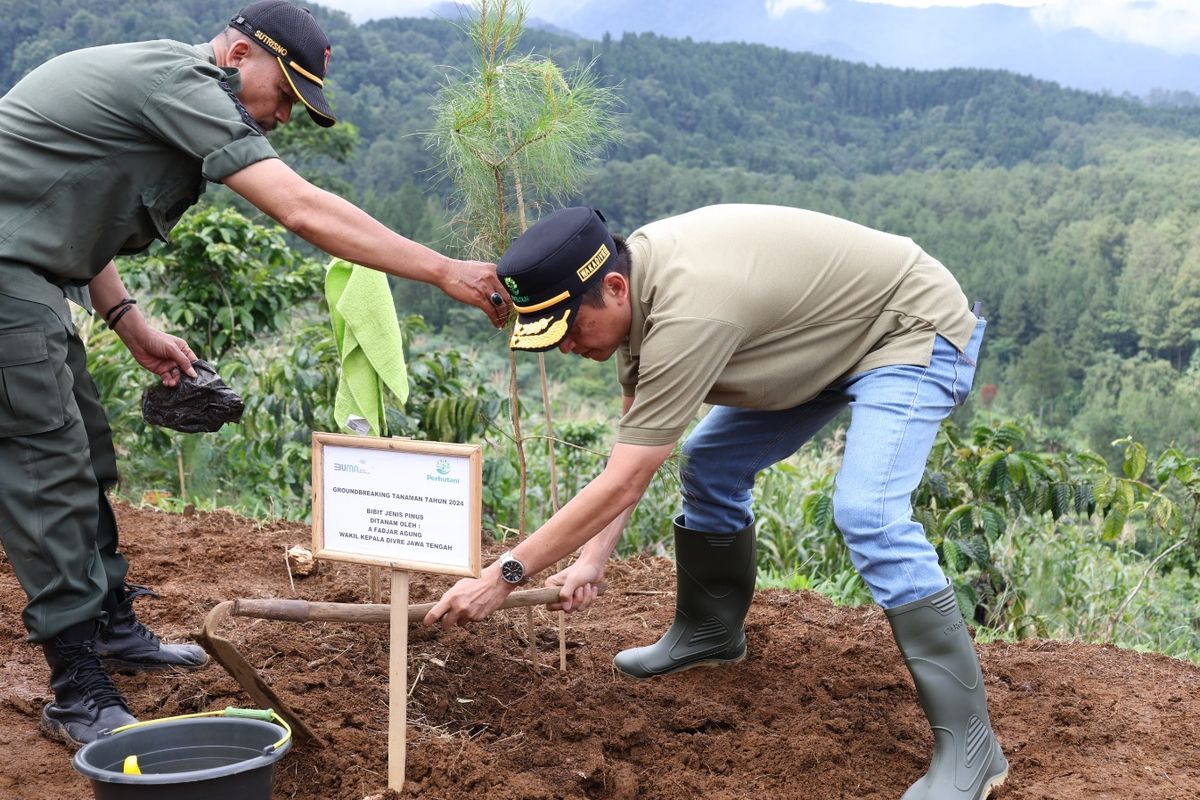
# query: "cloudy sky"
(1172, 25)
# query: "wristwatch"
(511, 570)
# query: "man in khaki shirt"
(779, 318)
(102, 150)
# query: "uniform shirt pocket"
(30, 401)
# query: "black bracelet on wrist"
(128, 301)
(112, 324)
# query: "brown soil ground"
(822, 708)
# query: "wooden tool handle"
(374, 613)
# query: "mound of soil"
(822, 708)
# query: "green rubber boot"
(714, 579)
(967, 760)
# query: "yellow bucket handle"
(265, 714)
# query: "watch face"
(512, 571)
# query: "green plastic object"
(265, 714)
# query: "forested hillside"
(1073, 216)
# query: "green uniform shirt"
(101, 152)
(764, 307)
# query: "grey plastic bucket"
(227, 758)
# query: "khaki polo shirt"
(101, 152)
(764, 307)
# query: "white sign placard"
(397, 503)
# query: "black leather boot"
(127, 645)
(86, 702)
(714, 580)
(967, 760)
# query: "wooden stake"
(179, 466)
(562, 641)
(515, 402)
(562, 616)
(398, 682)
(375, 584)
(532, 633)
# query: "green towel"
(369, 344)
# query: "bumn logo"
(355, 468)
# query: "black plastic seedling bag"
(194, 405)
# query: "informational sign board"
(397, 503)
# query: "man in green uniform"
(779, 318)
(102, 150)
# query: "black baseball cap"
(549, 268)
(291, 34)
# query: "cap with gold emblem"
(549, 268)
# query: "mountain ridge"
(990, 36)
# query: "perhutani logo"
(271, 43)
(514, 291)
(355, 468)
(594, 263)
(443, 470)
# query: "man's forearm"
(165, 355)
(335, 225)
(601, 507)
(342, 229)
(609, 497)
(592, 511)
(107, 289)
(600, 547)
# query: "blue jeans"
(895, 413)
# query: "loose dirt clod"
(822, 708)
(300, 560)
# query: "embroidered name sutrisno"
(271, 43)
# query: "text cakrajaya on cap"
(549, 268)
(291, 34)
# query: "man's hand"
(475, 283)
(161, 353)
(578, 583)
(469, 600)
